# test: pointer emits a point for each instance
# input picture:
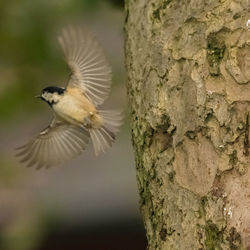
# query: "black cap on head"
(52, 90)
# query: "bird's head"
(51, 95)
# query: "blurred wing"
(55, 144)
(90, 70)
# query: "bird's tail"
(104, 137)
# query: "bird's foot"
(87, 123)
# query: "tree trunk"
(188, 66)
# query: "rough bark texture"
(188, 65)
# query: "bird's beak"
(37, 96)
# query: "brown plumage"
(77, 116)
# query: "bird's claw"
(87, 123)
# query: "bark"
(188, 64)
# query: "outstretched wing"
(55, 144)
(90, 70)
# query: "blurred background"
(88, 203)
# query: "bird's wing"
(90, 70)
(55, 144)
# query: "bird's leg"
(87, 121)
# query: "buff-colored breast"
(74, 107)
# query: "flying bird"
(77, 116)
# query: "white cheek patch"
(51, 98)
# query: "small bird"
(76, 113)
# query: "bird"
(77, 115)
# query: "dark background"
(89, 202)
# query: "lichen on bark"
(189, 93)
